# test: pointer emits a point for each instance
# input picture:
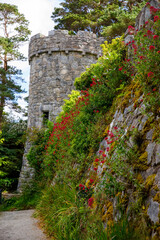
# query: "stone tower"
(55, 62)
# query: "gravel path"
(20, 225)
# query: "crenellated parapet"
(60, 41)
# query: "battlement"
(61, 41)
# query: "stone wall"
(55, 62)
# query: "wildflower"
(141, 57)
(130, 28)
(149, 32)
(146, 22)
(158, 52)
(155, 37)
(151, 47)
(95, 169)
(120, 69)
(150, 74)
(96, 160)
(153, 9)
(156, 18)
(90, 202)
(103, 161)
(91, 180)
(154, 89)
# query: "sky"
(38, 13)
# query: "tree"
(12, 141)
(14, 31)
(102, 17)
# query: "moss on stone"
(157, 197)
(140, 179)
(149, 182)
(141, 163)
(108, 216)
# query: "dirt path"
(19, 225)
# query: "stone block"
(153, 211)
(151, 151)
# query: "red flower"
(103, 161)
(150, 74)
(154, 89)
(120, 69)
(155, 37)
(96, 160)
(151, 47)
(95, 169)
(156, 18)
(146, 22)
(158, 52)
(153, 9)
(149, 32)
(130, 28)
(90, 202)
(91, 180)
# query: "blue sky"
(38, 13)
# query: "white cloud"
(38, 13)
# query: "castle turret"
(55, 62)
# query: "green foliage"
(106, 68)
(11, 152)
(69, 104)
(110, 18)
(118, 17)
(35, 156)
(29, 198)
(66, 216)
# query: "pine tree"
(14, 31)
(103, 17)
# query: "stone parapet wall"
(61, 41)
